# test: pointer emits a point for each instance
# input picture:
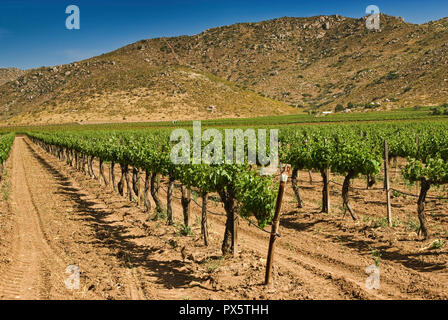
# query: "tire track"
(23, 278)
(129, 277)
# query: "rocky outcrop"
(9, 74)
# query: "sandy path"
(32, 258)
(47, 240)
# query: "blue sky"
(33, 33)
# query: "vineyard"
(334, 170)
(6, 142)
(223, 160)
(398, 115)
(349, 151)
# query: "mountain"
(278, 66)
(8, 74)
(318, 61)
(102, 90)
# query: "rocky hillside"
(102, 90)
(244, 69)
(317, 62)
(8, 74)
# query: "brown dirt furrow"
(324, 281)
(345, 267)
(394, 277)
(341, 267)
(31, 257)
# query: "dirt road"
(57, 217)
(33, 261)
(44, 243)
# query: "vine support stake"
(275, 224)
(236, 222)
(417, 186)
(327, 191)
(387, 183)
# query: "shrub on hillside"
(339, 108)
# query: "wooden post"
(417, 185)
(235, 233)
(275, 225)
(204, 228)
(386, 181)
(327, 191)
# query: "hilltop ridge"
(8, 74)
